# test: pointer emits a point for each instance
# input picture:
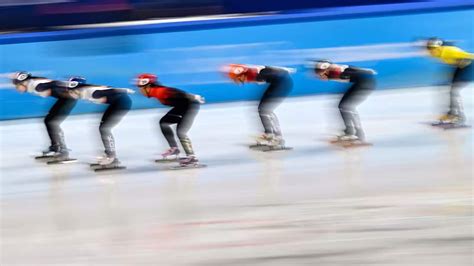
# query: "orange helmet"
(236, 71)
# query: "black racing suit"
(279, 86)
(363, 83)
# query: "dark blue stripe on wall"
(308, 15)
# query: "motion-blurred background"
(105, 42)
(41, 14)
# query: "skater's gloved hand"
(199, 99)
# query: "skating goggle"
(322, 65)
(143, 82)
(22, 77)
(72, 84)
(434, 44)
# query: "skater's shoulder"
(353, 72)
(360, 70)
(451, 51)
(159, 90)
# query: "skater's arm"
(125, 90)
(44, 89)
(339, 73)
(351, 74)
(39, 86)
(168, 95)
(95, 94)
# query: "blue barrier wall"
(190, 59)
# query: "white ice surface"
(407, 200)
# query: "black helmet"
(434, 43)
(20, 77)
(75, 81)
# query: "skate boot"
(458, 119)
(347, 137)
(170, 152)
(49, 153)
(170, 155)
(344, 138)
(276, 142)
(61, 157)
(107, 162)
(451, 121)
(447, 119)
(188, 160)
(262, 141)
(349, 140)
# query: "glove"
(199, 99)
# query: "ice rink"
(407, 200)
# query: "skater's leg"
(174, 116)
(276, 92)
(184, 125)
(348, 104)
(346, 109)
(265, 111)
(56, 115)
(461, 78)
(112, 116)
(276, 125)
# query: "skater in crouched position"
(25, 82)
(185, 107)
(119, 103)
(462, 73)
(279, 86)
(362, 84)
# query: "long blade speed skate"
(445, 125)
(107, 164)
(168, 160)
(349, 143)
(44, 157)
(275, 148)
(188, 166)
(61, 161)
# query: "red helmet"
(321, 65)
(146, 79)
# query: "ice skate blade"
(103, 168)
(93, 165)
(163, 160)
(351, 144)
(191, 166)
(275, 148)
(62, 161)
(257, 146)
(44, 157)
(98, 165)
(447, 126)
